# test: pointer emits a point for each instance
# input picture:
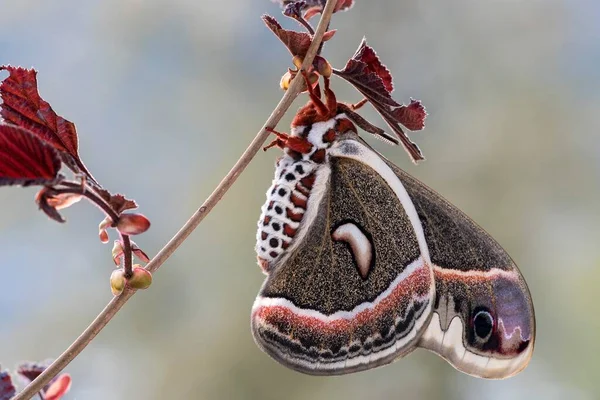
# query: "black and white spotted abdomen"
(286, 204)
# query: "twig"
(117, 302)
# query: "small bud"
(117, 252)
(106, 222)
(139, 253)
(285, 80)
(297, 61)
(117, 281)
(133, 224)
(103, 236)
(141, 279)
(58, 388)
(322, 66)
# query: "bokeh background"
(167, 94)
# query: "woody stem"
(117, 302)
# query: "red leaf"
(23, 106)
(7, 389)
(25, 159)
(367, 55)
(296, 42)
(58, 388)
(371, 78)
(118, 202)
(411, 116)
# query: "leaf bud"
(133, 224)
(117, 281)
(141, 278)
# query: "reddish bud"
(117, 281)
(117, 252)
(106, 222)
(322, 66)
(103, 236)
(58, 388)
(139, 253)
(133, 224)
(141, 279)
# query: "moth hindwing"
(364, 263)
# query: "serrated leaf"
(367, 55)
(118, 202)
(296, 42)
(25, 159)
(371, 78)
(411, 116)
(31, 370)
(7, 389)
(23, 106)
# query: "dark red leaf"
(118, 202)
(294, 9)
(296, 42)
(366, 72)
(367, 55)
(31, 370)
(23, 106)
(371, 78)
(25, 159)
(314, 7)
(411, 116)
(7, 389)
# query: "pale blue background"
(167, 94)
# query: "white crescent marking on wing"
(374, 161)
(359, 243)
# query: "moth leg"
(283, 140)
(279, 141)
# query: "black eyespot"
(276, 226)
(274, 242)
(483, 324)
(282, 192)
(278, 210)
(299, 169)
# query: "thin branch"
(117, 302)
(127, 255)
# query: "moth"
(365, 263)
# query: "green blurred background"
(167, 94)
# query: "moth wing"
(355, 289)
(483, 320)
